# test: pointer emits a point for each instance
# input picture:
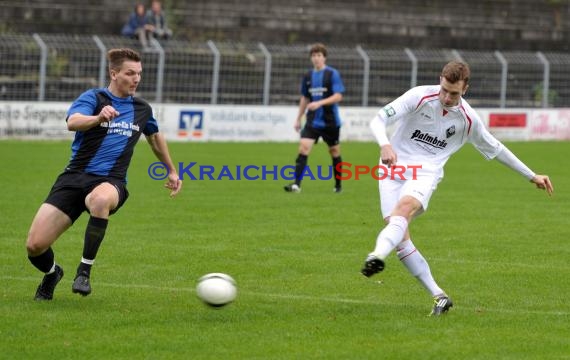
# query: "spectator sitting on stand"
(156, 21)
(136, 27)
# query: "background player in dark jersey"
(321, 91)
(108, 122)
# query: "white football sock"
(417, 266)
(390, 236)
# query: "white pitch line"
(509, 265)
(309, 298)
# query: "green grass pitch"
(495, 244)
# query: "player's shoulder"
(87, 98)
(423, 91)
(420, 95)
(141, 101)
(426, 90)
(333, 70)
(469, 111)
(142, 104)
(90, 93)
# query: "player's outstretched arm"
(543, 182)
(158, 145)
(507, 158)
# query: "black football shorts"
(71, 188)
(330, 135)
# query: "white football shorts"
(419, 185)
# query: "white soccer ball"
(216, 289)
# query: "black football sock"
(336, 161)
(300, 165)
(43, 262)
(94, 234)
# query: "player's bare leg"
(48, 224)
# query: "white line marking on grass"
(451, 260)
(310, 298)
(500, 264)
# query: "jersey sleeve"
(85, 104)
(483, 140)
(304, 85)
(151, 126)
(400, 107)
(337, 84)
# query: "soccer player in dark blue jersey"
(107, 123)
(321, 91)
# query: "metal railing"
(48, 67)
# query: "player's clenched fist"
(107, 114)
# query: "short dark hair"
(455, 71)
(117, 57)
(318, 48)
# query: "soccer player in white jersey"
(433, 123)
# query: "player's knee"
(407, 209)
(100, 203)
(34, 246)
(304, 150)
